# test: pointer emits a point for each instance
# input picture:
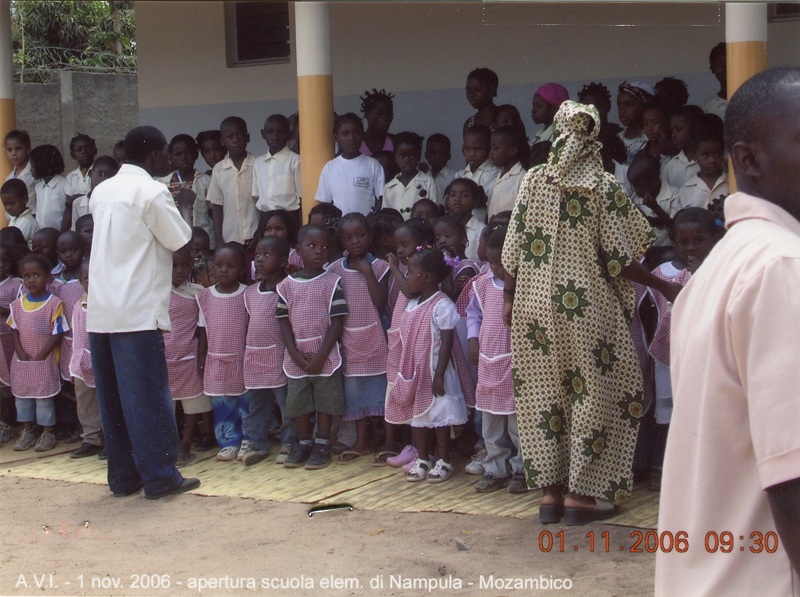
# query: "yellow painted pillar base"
(315, 109)
(8, 122)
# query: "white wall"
(422, 53)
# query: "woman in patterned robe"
(573, 237)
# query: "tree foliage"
(72, 35)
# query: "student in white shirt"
(479, 169)
(711, 182)
(437, 154)
(351, 181)
(411, 184)
(657, 201)
(718, 64)
(47, 167)
(504, 154)
(104, 167)
(14, 195)
(276, 174)
(82, 149)
(18, 149)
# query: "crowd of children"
(376, 326)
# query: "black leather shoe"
(185, 485)
(85, 450)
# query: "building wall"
(422, 53)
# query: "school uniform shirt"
(351, 185)
(633, 146)
(474, 228)
(735, 427)
(485, 175)
(199, 183)
(696, 193)
(78, 183)
(51, 200)
(546, 134)
(678, 170)
(264, 351)
(506, 187)
(715, 105)
(443, 178)
(276, 181)
(25, 176)
(181, 344)
(80, 366)
(26, 222)
(402, 197)
(136, 229)
(80, 207)
(233, 190)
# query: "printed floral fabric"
(577, 382)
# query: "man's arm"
(784, 501)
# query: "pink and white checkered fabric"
(226, 329)
(495, 390)
(80, 364)
(35, 379)
(264, 351)
(70, 293)
(180, 348)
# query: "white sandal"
(420, 470)
(440, 472)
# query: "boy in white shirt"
(14, 195)
(276, 174)
(411, 184)
(82, 149)
(711, 182)
(18, 147)
(504, 154)
(437, 154)
(479, 168)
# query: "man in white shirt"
(136, 229)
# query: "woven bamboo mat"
(358, 483)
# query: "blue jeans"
(261, 418)
(136, 409)
(36, 410)
(229, 414)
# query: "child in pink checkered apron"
(70, 251)
(223, 317)
(37, 325)
(9, 289)
(364, 348)
(427, 392)
(181, 349)
(490, 351)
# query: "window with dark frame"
(784, 11)
(257, 33)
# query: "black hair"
(491, 227)
(71, 234)
(310, 229)
(371, 98)
(238, 249)
(347, 117)
(750, 108)
(106, 161)
(715, 52)
(80, 222)
(672, 93)
(479, 129)
(329, 212)
(497, 238)
(277, 243)
(486, 76)
(712, 122)
(51, 234)
(198, 232)
(475, 189)
(119, 145)
(381, 226)
(37, 259)
(598, 90)
(696, 215)
(237, 121)
(704, 135)
(14, 186)
(503, 217)
(185, 251)
(288, 222)
(432, 261)
(387, 213)
(204, 136)
(643, 164)
(354, 216)
(83, 137)
(12, 240)
(46, 160)
(20, 135)
(439, 138)
(425, 200)
(279, 118)
(408, 138)
(509, 135)
(183, 138)
(141, 141)
(421, 230)
(453, 223)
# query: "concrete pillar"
(314, 94)
(745, 47)
(8, 113)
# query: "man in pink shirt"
(729, 517)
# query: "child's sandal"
(380, 458)
(420, 470)
(440, 472)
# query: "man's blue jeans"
(136, 408)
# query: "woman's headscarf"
(574, 160)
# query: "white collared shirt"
(696, 193)
(443, 178)
(546, 134)
(474, 228)
(233, 190)
(136, 229)
(78, 183)
(485, 175)
(402, 197)
(51, 200)
(677, 170)
(25, 176)
(26, 223)
(276, 181)
(506, 187)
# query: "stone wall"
(105, 107)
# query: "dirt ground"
(76, 539)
